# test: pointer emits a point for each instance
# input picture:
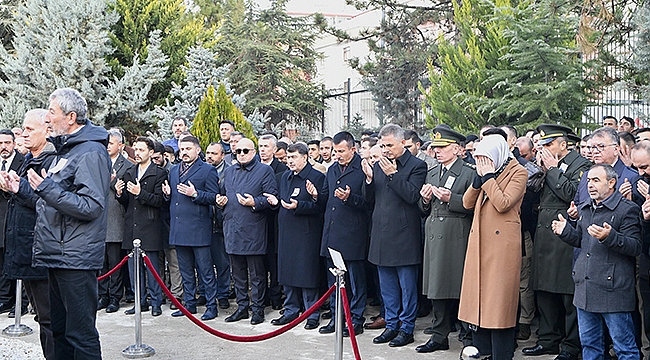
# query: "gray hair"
(299, 147)
(70, 100)
(273, 139)
(392, 129)
(116, 134)
(37, 114)
(610, 173)
(608, 133)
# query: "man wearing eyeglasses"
(248, 190)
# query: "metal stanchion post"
(18, 329)
(340, 286)
(139, 350)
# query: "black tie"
(4, 165)
(444, 171)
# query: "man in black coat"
(140, 192)
(11, 160)
(300, 222)
(346, 226)
(21, 219)
(394, 185)
(267, 145)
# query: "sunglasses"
(245, 151)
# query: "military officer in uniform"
(552, 258)
(446, 232)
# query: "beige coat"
(490, 291)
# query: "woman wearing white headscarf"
(490, 291)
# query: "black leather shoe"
(210, 313)
(403, 338)
(428, 331)
(201, 301)
(223, 303)
(113, 306)
(385, 336)
(131, 311)
(432, 346)
(566, 356)
(328, 329)
(172, 306)
(311, 324)
(276, 304)
(538, 350)
(327, 315)
(257, 318)
(102, 303)
(6, 307)
(240, 314)
(283, 320)
(358, 330)
(156, 311)
(12, 313)
(178, 313)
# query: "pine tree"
(545, 81)
(214, 108)
(641, 62)
(458, 76)
(273, 59)
(57, 44)
(179, 30)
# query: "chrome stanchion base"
(138, 352)
(16, 331)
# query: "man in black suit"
(10, 159)
(267, 145)
(394, 184)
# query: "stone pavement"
(178, 338)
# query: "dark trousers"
(399, 290)
(73, 303)
(500, 343)
(296, 297)
(38, 292)
(274, 291)
(221, 262)
(444, 312)
(243, 266)
(8, 286)
(188, 257)
(644, 290)
(558, 322)
(152, 287)
(111, 287)
(355, 285)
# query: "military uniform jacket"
(396, 227)
(446, 231)
(300, 230)
(346, 222)
(552, 258)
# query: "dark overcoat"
(551, 258)
(142, 219)
(605, 271)
(245, 228)
(446, 231)
(396, 227)
(300, 230)
(15, 165)
(21, 219)
(115, 227)
(191, 218)
(346, 222)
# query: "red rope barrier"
(348, 321)
(113, 270)
(238, 338)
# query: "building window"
(346, 53)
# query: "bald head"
(245, 151)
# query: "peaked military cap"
(549, 132)
(443, 136)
